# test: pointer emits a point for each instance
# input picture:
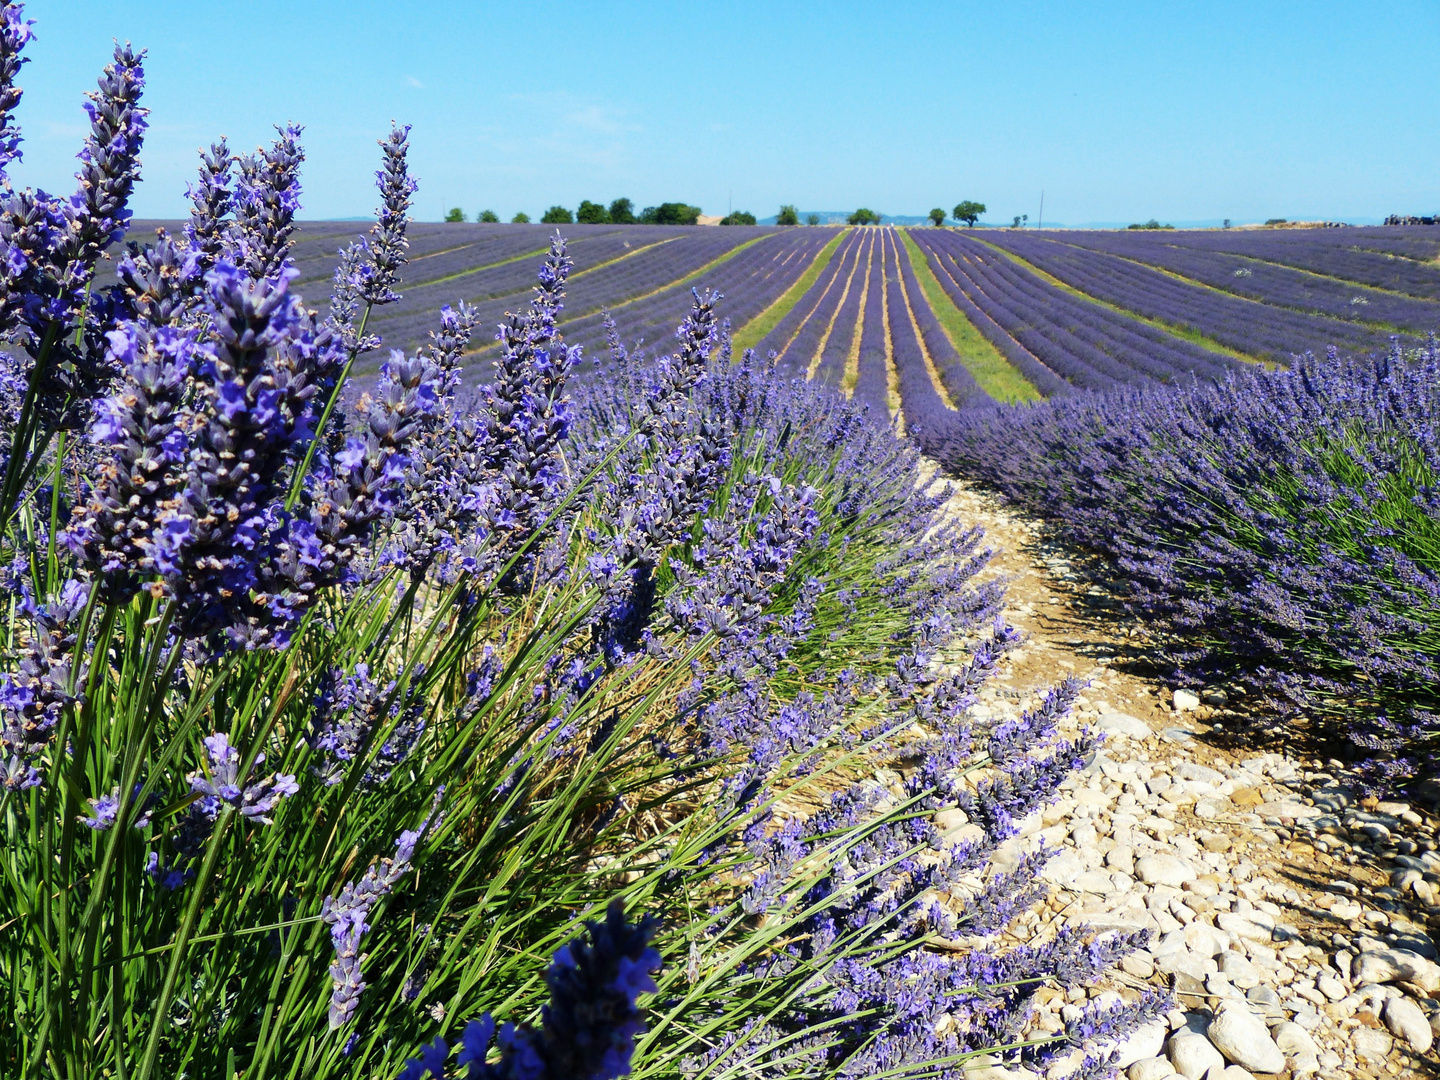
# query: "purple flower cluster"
(1281, 523)
(45, 682)
(587, 1030)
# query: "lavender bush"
(1283, 524)
(321, 725)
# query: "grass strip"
(996, 375)
(758, 328)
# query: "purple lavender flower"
(219, 781)
(211, 202)
(265, 202)
(44, 684)
(587, 1030)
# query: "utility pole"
(1041, 223)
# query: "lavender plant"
(317, 734)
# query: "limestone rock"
(1405, 1021)
(1119, 723)
(1243, 1038)
(1164, 870)
(1193, 1055)
(1144, 1044)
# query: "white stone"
(1144, 1044)
(1395, 965)
(1193, 1056)
(1298, 1047)
(1243, 1038)
(1370, 1044)
(1157, 1068)
(1405, 1021)
(1235, 1072)
(1238, 970)
(1119, 723)
(1164, 870)
(1064, 868)
(1185, 701)
(1251, 925)
(1296, 811)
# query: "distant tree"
(488, 217)
(1275, 221)
(1016, 223)
(937, 216)
(968, 211)
(812, 219)
(1150, 225)
(670, 213)
(456, 214)
(557, 215)
(738, 217)
(864, 217)
(521, 218)
(787, 216)
(622, 212)
(1025, 219)
(1227, 223)
(592, 213)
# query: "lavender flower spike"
(15, 33)
(219, 782)
(587, 1030)
(347, 912)
(388, 243)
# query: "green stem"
(15, 468)
(298, 483)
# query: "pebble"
(1193, 1055)
(1370, 1044)
(1298, 1047)
(1145, 1044)
(1157, 1068)
(1244, 1040)
(1405, 1021)
(1164, 870)
(1118, 723)
(1185, 701)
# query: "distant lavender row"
(954, 375)
(1387, 258)
(750, 281)
(836, 350)
(1046, 381)
(1268, 282)
(1259, 330)
(872, 382)
(925, 412)
(796, 337)
(1086, 344)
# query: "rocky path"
(1291, 921)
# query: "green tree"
(522, 218)
(592, 213)
(812, 219)
(968, 211)
(455, 214)
(738, 217)
(488, 217)
(864, 217)
(557, 215)
(670, 213)
(937, 216)
(622, 212)
(787, 216)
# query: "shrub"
(455, 214)
(520, 218)
(670, 214)
(787, 216)
(738, 217)
(488, 217)
(557, 215)
(864, 217)
(622, 212)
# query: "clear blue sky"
(1119, 111)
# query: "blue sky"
(1118, 111)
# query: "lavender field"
(449, 650)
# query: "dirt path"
(1290, 919)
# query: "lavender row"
(815, 331)
(1114, 345)
(1261, 331)
(1046, 381)
(818, 303)
(750, 282)
(836, 353)
(924, 411)
(872, 382)
(954, 375)
(607, 286)
(1279, 523)
(1270, 283)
